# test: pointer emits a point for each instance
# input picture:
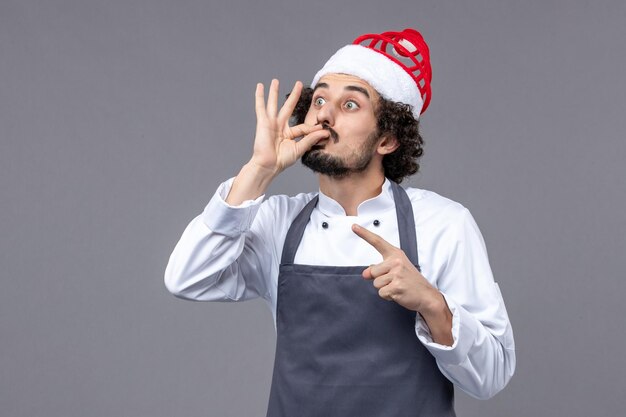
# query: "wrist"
(251, 182)
(263, 175)
(438, 318)
(436, 305)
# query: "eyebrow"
(348, 88)
(320, 85)
(358, 89)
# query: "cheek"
(310, 117)
(366, 126)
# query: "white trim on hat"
(384, 75)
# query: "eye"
(351, 105)
(319, 101)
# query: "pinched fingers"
(309, 140)
(293, 132)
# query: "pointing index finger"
(381, 245)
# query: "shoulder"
(274, 218)
(429, 204)
(444, 223)
(440, 217)
(283, 208)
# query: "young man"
(382, 297)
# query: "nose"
(325, 115)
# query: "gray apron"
(343, 351)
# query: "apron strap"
(294, 235)
(406, 223)
(406, 227)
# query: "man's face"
(345, 105)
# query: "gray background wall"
(118, 119)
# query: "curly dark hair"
(393, 118)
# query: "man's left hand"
(397, 279)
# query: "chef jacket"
(232, 253)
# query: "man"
(382, 297)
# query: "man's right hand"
(275, 144)
(275, 147)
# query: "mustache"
(333, 134)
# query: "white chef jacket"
(232, 253)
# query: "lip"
(321, 144)
(333, 134)
(324, 140)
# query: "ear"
(387, 144)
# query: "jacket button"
(376, 223)
(324, 225)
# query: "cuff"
(228, 220)
(464, 330)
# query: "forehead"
(339, 81)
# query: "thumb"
(311, 139)
(294, 132)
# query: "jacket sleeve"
(481, 360)
(219, 257)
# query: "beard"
(337, 167)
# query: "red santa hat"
(396, 64)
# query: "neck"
(352, 190)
